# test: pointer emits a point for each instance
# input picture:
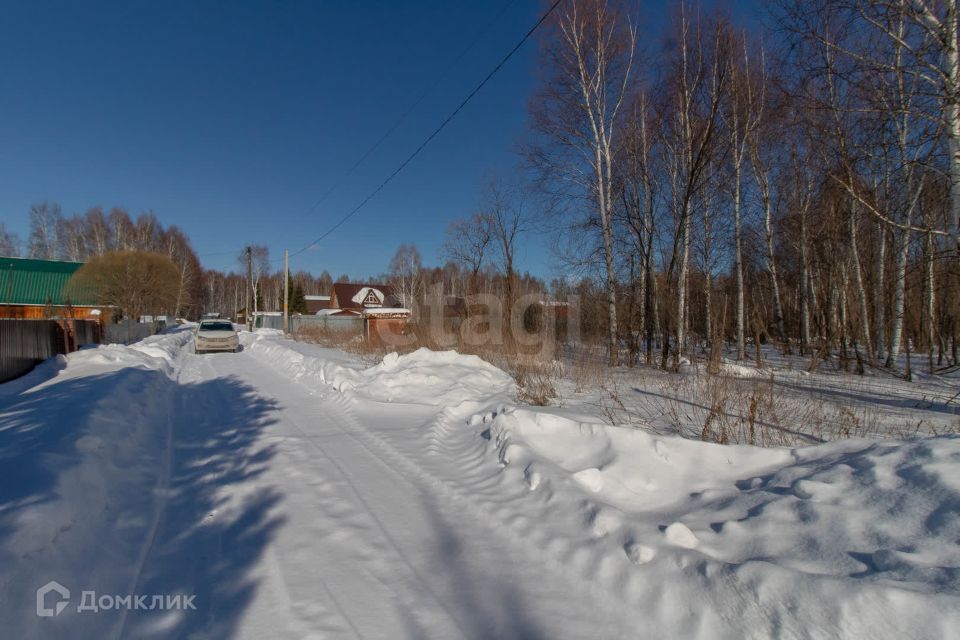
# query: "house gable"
(362, 296)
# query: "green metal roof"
(39, 282)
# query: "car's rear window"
(216, 326)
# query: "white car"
(216, 335)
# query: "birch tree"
(9, 242)
(742, 114)
(45, 226)
(639, 193)
(695, 91)
(405, 267)
(590, 52)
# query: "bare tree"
(180, 252)
(45, 227)
(743, 114)
(695, 91)
(71, 238)
(405, 277)
(638, 188)
(137, 282)
(97, 231)
(506, 215)
(468, 243)
(591, 52)
(255, 260)
(9, 242)
(121, 228)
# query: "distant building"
(37, 289)
(375, 304)
(358, 298)
(258, 316)
(316, 303)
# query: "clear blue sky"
(232, 119)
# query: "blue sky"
(232, 119)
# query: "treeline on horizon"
(80, 237)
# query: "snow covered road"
(285, 518)
(370, 549)
(294, 493)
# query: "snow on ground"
(847, 539)
(82, 454)
(791, 406)
(438, 378)
(297, 493)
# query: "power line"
(416, 103)
(436, 131)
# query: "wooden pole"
(286, 291)
(249, 285)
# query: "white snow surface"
(297, 493)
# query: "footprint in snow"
(591, 479)
(679, 534)
(638, 553)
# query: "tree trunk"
(804, 287)
(879, 308)
(611, 286)
(930, 295)
(738, 263)
(708, 278)
(772, 268)
(899, 297)
(952, 60)
(681, 318)
(858, 283)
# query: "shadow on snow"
(172, 522)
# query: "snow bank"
(628, 468)
(268, 332)
(83, 458)
(737, 370)
(437, 378)
(849, 539)
(159, 352)
(312, 366)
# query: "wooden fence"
(26, 343)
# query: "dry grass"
(535, 373)
(730, 410)
(710, 407)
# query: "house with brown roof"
(316, 303)
(375, 304)
(360, 297)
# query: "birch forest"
(795, 182)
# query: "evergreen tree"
(298, 303)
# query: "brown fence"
(25, 343)
(85, 332)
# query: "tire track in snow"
(162, 489)
(276, 578)
(315, 443)
(522, 528)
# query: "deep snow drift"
(297, 491)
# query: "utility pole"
(286, 291)
(249, 285)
